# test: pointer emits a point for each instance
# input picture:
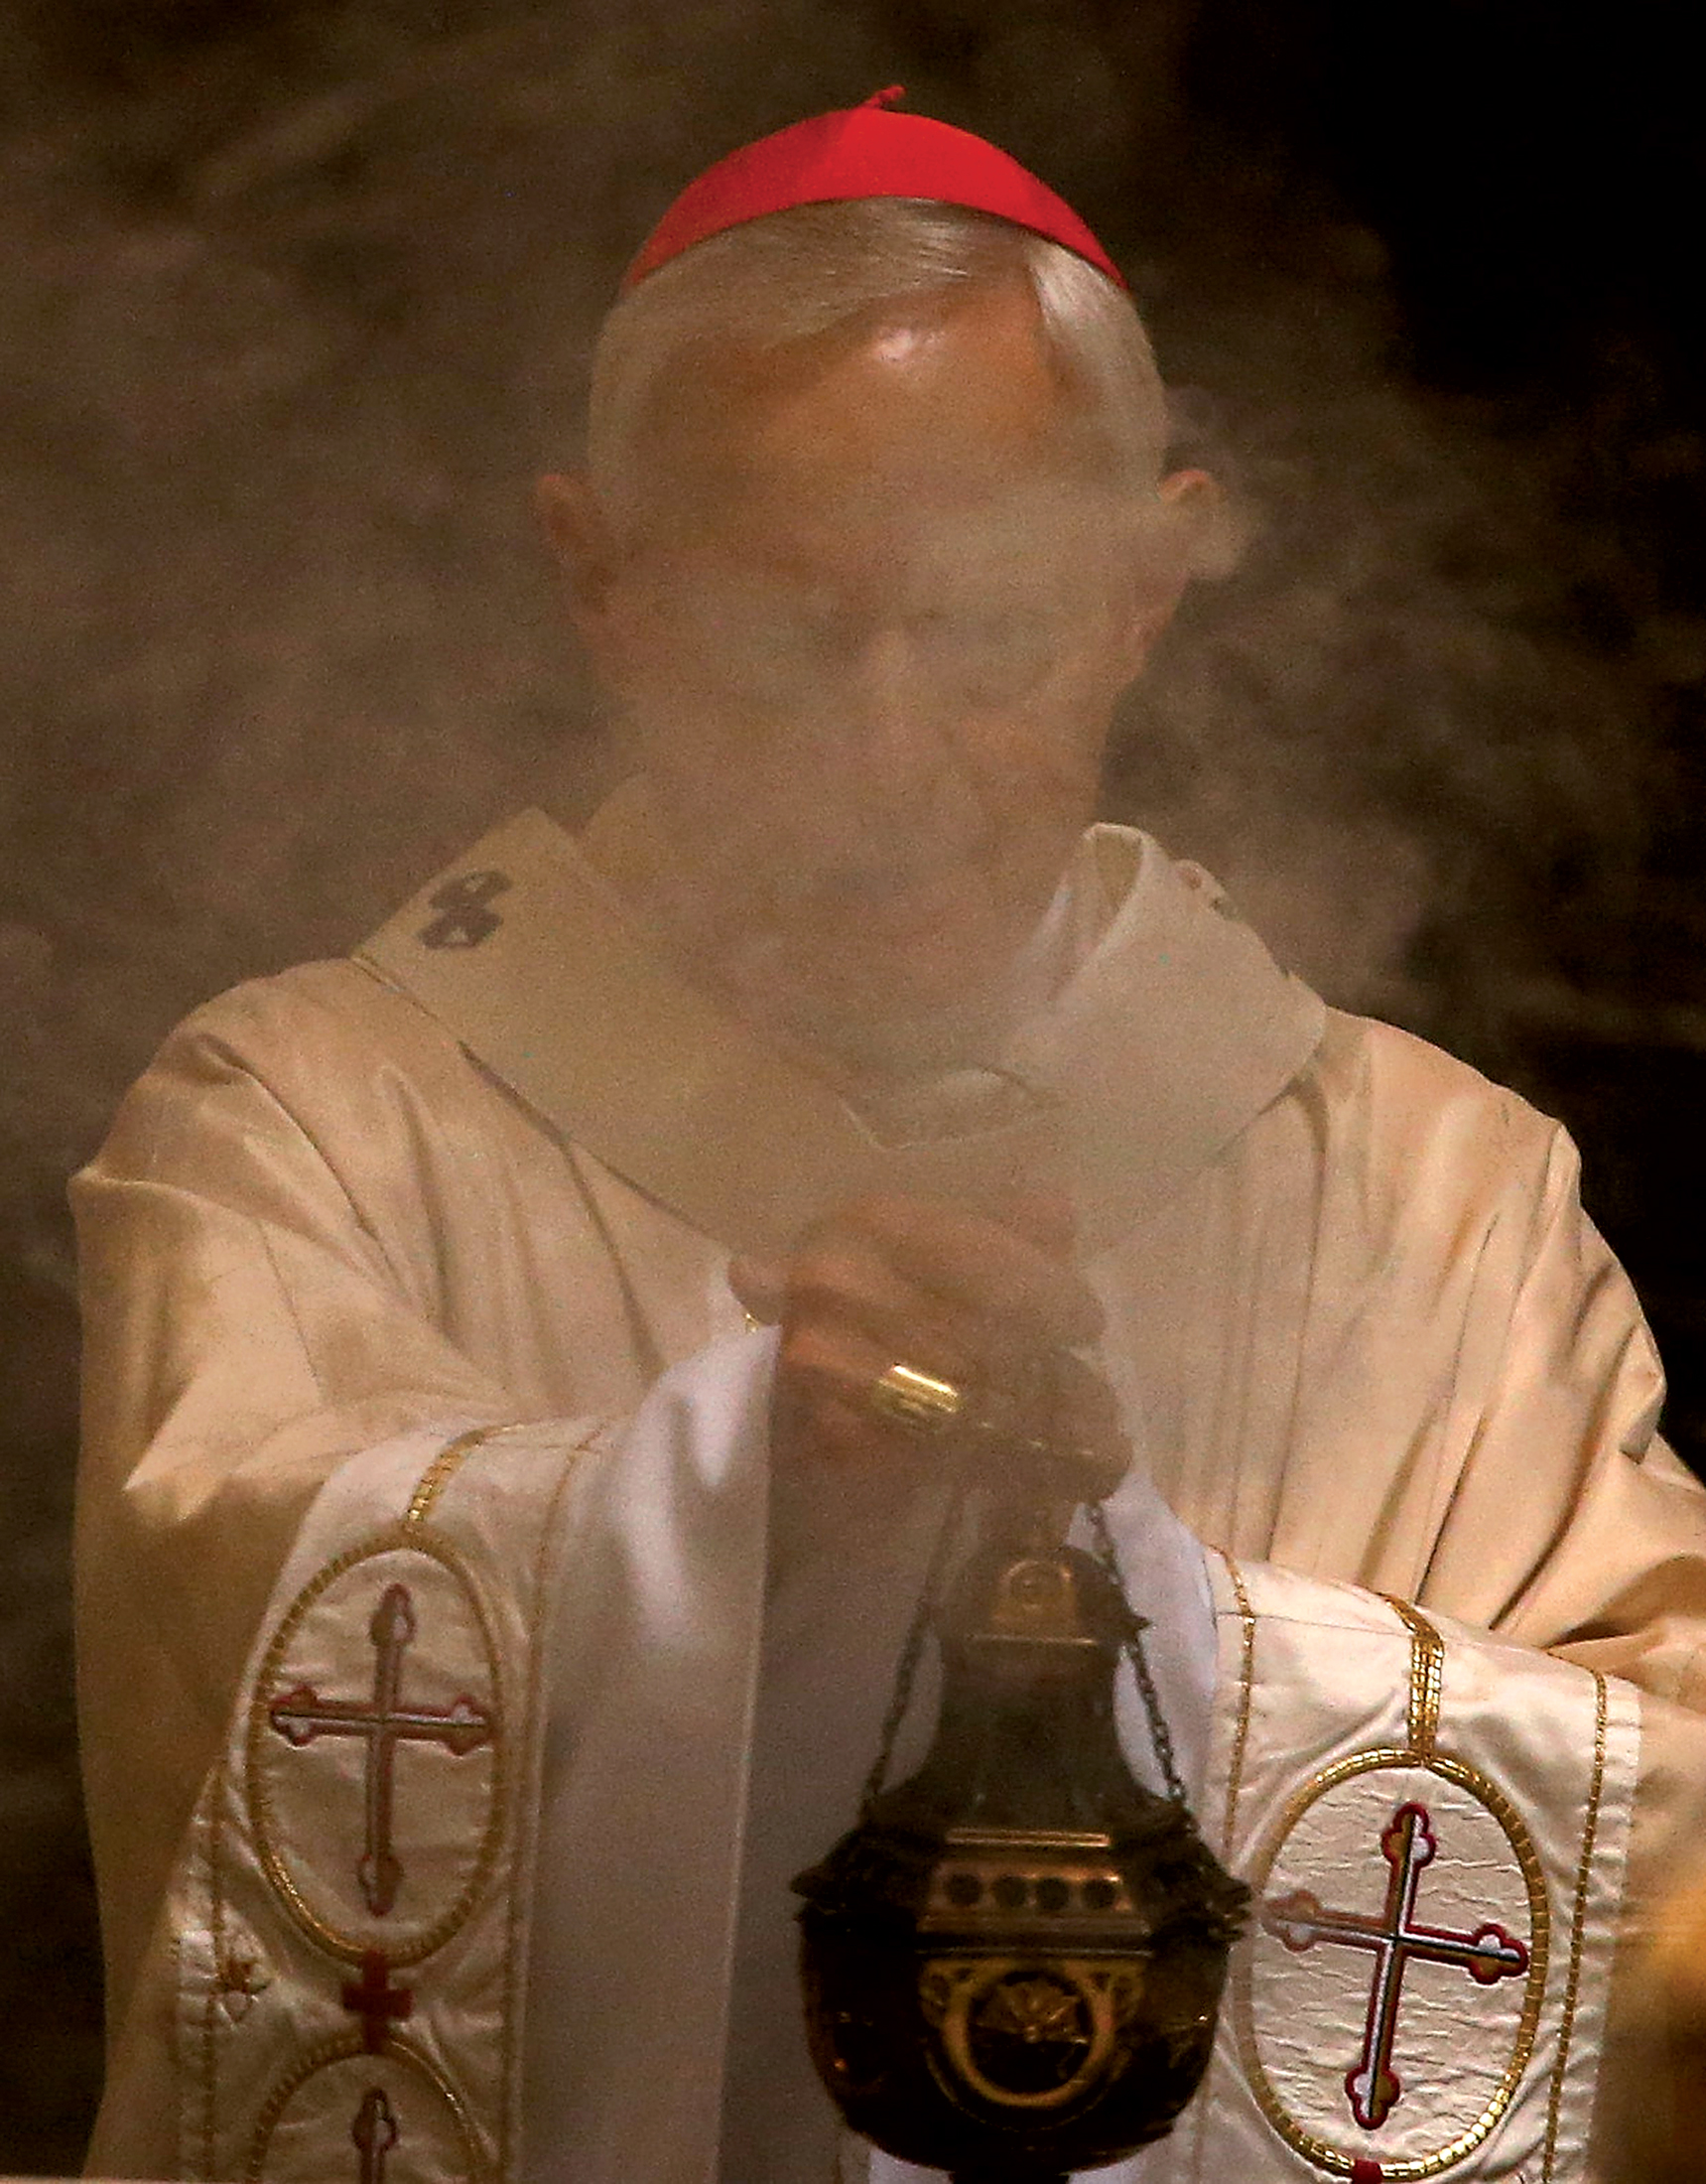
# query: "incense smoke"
(297, 302)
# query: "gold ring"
(918, 1401)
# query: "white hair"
(789, 276)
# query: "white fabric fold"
(769, 1711)
(653, 1661)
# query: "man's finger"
(1045, 1217)
(761, 1287)
(985, 1269)
(844, 1362)
(1089, 1427)
(847, 1279)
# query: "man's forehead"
(976, 363)
(955, 401)
(973, 384)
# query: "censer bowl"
(1014, 1965)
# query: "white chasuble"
(423, 1509)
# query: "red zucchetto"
(864, 152)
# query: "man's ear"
(584, 548)
(1188, 501)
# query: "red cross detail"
(376, 2001)
(384, 1723)
(1395, 1940)
(376, 2132)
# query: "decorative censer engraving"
(1012, 1964)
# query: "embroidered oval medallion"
(375, 1752)
(1388, 1992)
(371, 2118)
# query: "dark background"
(293, 298)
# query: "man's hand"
(994, 1306)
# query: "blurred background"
(294, 298)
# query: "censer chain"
(1160, 1735)
(913, 1652)
(906, 1674)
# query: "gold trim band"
(1427, 1677)
(438, 1474)
(522, 1759)
(1578, 1923)
(1245, 1684)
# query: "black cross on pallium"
(1395, 1940)
(384, 1721)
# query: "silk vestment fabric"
(1367, 1336)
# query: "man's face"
(870, 661)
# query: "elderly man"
(485, 1609)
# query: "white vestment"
(380, 1331)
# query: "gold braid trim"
(520, 1756)
(1427, 1677)
(437, 1476)
(1572, 1982)
(1246, 1679)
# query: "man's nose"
(886, 745)
(888, 710)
